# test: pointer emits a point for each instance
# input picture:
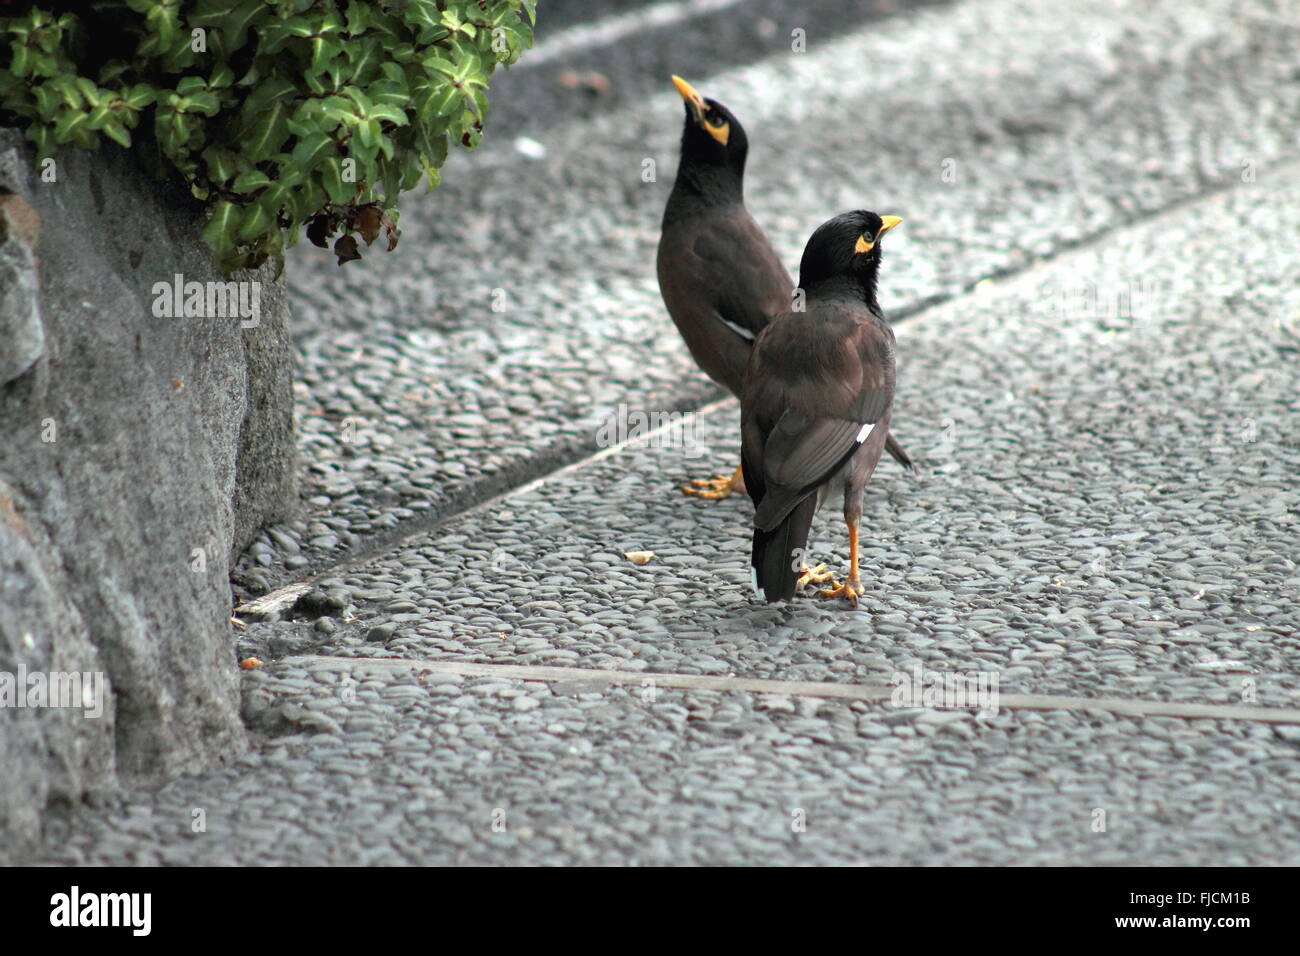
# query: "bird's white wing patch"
(863, 432)
(753, 579)
(740, 330)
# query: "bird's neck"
(707, 184)
(847, 288)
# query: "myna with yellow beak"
(816, 404)
(720, 277)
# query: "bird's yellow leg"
(719, 486)
(852, 587)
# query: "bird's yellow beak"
(887, 223)
(689, 93)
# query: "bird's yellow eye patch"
(721, 132)
(863, 245)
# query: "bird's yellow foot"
(817, 575)
(849, 590)
(719, 486)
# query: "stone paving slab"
(1000, 134)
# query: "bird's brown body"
(721, 281)
(816, 405)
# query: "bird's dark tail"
(896, 450)
(779, 554)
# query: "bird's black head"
(714, 145)
(846, 250)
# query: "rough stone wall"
(137, 454)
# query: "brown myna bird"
(816, 404)
(720, 277)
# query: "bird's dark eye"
(713, 118)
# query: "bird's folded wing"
(736, 261)
(802, 453)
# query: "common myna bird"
(720, 277)
(816, 404)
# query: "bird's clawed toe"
(719, 486)
(713, 488)
(849, 590)
(817, 575)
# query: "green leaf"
(98, 117)
(222, 77)
(364, 57)
(190, 85)
(331, 178)
(391, 114)
(117, 133)
(250, 182)
(455, 24)
(362, 101)
(311, 149)
(323, 50)
(424, 14)
(220, 230)
(412, 170)
(433, 96)
(48, 102)
(389, 96)
(276, 199)
(205, 102)
(309, 199)
(305, 119)
(46, 65)
(431, 141)
(369, 134)
(438, 64)
(266, 130)
(69, 121)
(358, 17)
(139, 96)
(222, 164)
(232, 18)
(19, 63)
(67, 89)
(270, 89)
(435, 177)
(255, 221)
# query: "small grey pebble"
(380, 633)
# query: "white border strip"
(867, 692)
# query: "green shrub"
(276, 113)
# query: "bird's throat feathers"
(858, 285)
(708, 184)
